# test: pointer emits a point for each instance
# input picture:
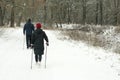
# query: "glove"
(32, 46)
(23, 33)
(47, 44)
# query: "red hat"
(38, 25)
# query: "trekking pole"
(23, 41)
(46, 56)
(31, 58)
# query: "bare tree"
(97, 11)
(101, 11)
(2, 12)
(116, 11)
(60, 11)
(1, 17)
(12, 14)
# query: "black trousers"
(38, 57)
(28, 40)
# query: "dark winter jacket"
(28, 28)
(38, 38)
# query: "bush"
(88, 38)
(106, 37)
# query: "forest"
(97, 12)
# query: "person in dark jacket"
(28, 30)
(38, 38)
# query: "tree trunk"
(101, 12)
(45, 14)
(116, 12)
(1, 17)
(12, 17)
(60, 22)
(97, 11)
(56, 24)
(68, 20)
(84, 12)
(12, 14)
(19, 20)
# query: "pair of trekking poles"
(33, 52)
(45, 57)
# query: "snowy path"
(66, 60)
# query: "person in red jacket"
(38, 38)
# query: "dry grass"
(88, 38)
(98, 36)
(117, 29)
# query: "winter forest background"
(95, 22)
(103, 12)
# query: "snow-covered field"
(66, 60)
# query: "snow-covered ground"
(66, 60)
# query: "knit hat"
(29, 20)
(38, 25)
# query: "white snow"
(66, 60)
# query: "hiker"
(28, 30)
(38, 38)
